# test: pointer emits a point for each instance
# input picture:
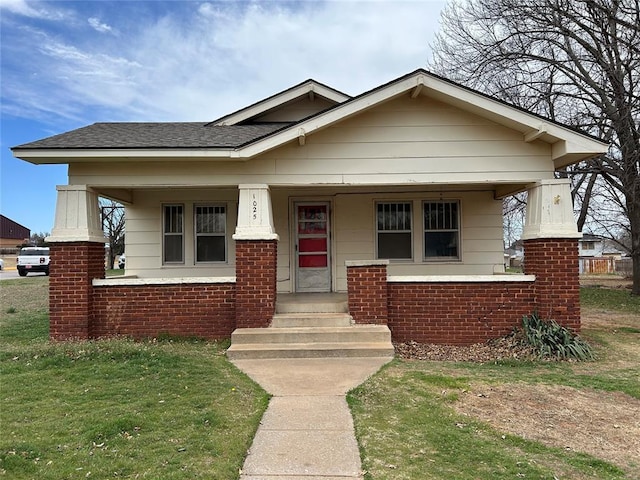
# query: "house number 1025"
(254, 208)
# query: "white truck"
(33, 259)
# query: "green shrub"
(552, 340)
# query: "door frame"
(293, 238)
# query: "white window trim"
(456, 259)
(411, 231)
(164, 234)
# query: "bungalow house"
(392, 198)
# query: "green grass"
(117, 408)
(407, 427)
(618, 300)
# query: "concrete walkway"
(307, 431)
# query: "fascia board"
(65, 156)
(281, 99)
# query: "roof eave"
(66, 156)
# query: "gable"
(313, 108)
(407, 140)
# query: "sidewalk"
(307, 431)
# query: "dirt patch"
(607, 281)
(603, 424)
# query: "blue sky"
(66, 64)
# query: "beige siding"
(404, 141)
(144, 233)
(353, 232)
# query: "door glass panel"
(313, 244)
(312, 261)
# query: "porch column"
(77, 257)
(256, 257)
(367, 291)
(550, 240)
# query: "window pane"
(210, 219)
(394, 245)
(441, 244)
(394, 216)
(210, 249)
(173, 219)
(173, 248)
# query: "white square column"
(550, 211)
(77, 216)
(255, 216)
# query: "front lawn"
(116, 408)
(511, 419)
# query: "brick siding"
(73, 267)
(457, 313)
(367, 293)
(198, 310)
(554, 262)
(255, 282)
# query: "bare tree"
(113, 227)
(574, 61)
(513, 212)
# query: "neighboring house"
(12, 234)
(598, 254)
(514, 255)
(393, 197)
(591, 245)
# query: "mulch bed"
(504, 348)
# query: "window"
(210, 223)
(394, 231)
(173, 247)
(588, 245)
(441, 230)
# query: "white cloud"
(31, 9)
(215, 58)
(97, 25)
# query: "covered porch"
(464, 298)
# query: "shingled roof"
(156, 135)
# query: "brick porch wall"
(367, 293)
(73, 266)
(199, 310)
(457, 313)
(554, 262)
(255, 282)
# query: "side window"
(210, 223)
(173, 234)
(393, 231)
(441, 230)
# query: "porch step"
(284, 320)
(311, 342)
(312, 303)
(315, 350)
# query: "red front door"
(313, 262)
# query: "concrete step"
(311, 350)
(311, 342)
(306, 335)
(284, 320)
(312, 303)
